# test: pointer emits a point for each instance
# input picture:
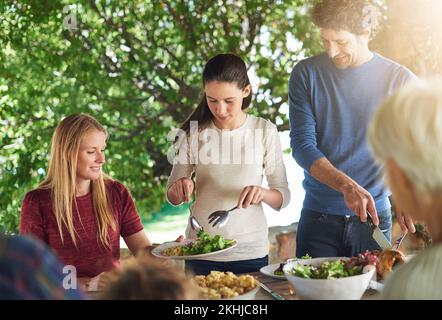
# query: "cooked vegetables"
(205, 243)
(221, 285)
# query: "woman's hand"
(103, 280)
(251, 195)
(180, 191)
(255, 195)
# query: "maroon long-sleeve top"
(90, 257)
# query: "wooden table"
(282, 287)
(285, 289)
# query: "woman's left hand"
(250, 195)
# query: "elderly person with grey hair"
(405, 135)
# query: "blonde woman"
(78, 210)
(406, 137)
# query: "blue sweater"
(330, 109)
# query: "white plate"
(158, 251)
(376, 285)
(269, 271)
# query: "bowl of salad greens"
(332, 278)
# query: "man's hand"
(359, 200)
(356, 198)
(405, 222)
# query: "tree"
(412, 35)
(136, 66)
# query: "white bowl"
(348, 288)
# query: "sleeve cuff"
(307, 158)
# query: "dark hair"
(225, 67)
(355, 16)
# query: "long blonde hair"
(62, 174)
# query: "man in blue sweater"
(332, 97)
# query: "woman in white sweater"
(406, 137)
(229, 152)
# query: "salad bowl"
(346, 287)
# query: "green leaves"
(327, 270)
(205, 243)
(136, 66)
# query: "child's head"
(227, 91)
(145, 278)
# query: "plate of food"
(203, 246)
(218, 285)
(274, 270)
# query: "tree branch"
(225, 22)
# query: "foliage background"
(136, 66)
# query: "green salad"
(337, 269)
(328, 270)
(280, 272)
(205, 243)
